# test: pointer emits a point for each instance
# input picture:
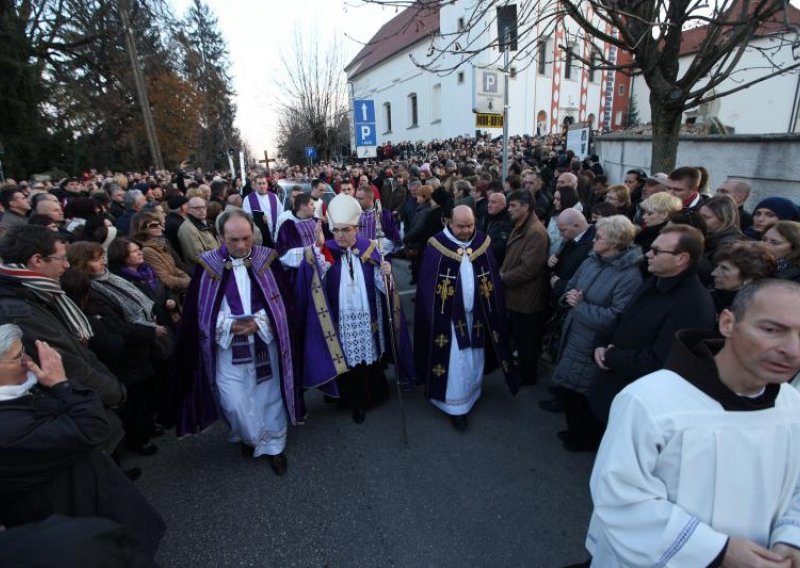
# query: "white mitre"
(343, 210)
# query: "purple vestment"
(255, 205)
(195, 389)
(295, 233)
(322, 357)
(367, 227)
(440, 304)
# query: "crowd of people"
(134, 303)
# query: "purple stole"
(196, 363)
(440, 305)
(255, 205)
(367, 227)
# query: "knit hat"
(176, 202)
(440, 196)
(784, 208)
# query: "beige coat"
(194, 241)
(524, 271)
(159, 256)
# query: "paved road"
(502, 494)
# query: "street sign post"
(488, 91)
(311, 154)
(578, 140)
(366, 131)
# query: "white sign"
(578, 141)
(488, 91)
(367, 151)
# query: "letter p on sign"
(489, 82)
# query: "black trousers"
(527, 331)
(136, 414)
(364, 386)
(583, 427)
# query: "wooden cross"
(461, 325)
(445, 288)
(438, 370)
(441, 340)
(266, 161)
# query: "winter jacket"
(524, 270)
(570, 258)
(498, 228)
(608, 285)
(159, 256)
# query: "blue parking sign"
(364, 122)
(311, 152)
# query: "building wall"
(770, 163)
(445, 103)
(763, 108)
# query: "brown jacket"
(159, 256)
(524, 270)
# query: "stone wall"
(769, 162)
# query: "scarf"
(242, 354)
(137, 307)
(10, 392)
(144, 273)
(50, 292)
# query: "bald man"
(497, 225)
(460, 312)
(196, 235)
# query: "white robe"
(676, 475)
(465, 368)
(266, 208)
(255, 412)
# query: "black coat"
(643, 337)
(51, 462)
(171, 226)
(570, 258)
(498, 228)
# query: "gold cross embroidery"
(438, 370)
(445, 288)
(441, 340)
(477, 328)
(460, 326)
(486, 287)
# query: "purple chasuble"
(367, 226)
(318, 309)
(193, 390)
(440, 305)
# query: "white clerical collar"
(452, 237)
(244, 261)
(578, 238)
(10, 392)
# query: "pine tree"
(206, 67)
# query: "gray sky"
(256, 31)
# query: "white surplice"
(355, 319)
(676, 475)
(465, 368)
(255, 412)
(266, 208)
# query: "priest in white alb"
(700, 464)
(265, 208)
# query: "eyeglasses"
(16, 358)
(342, 231)
(657, 251)
(154, 225)
(50, 257)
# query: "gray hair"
(619, 231)
(231, 214)
(462, 187)
(9, 333)
(131, 197)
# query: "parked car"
(285, 190)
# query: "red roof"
(693, 38)
(410, 26)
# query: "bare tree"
(313, 110)
(652, 31)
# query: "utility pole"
(507, 39)
(141, 88)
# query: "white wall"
(763, 108)
(394, 79)
(770, 163)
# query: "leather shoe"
(147, 449)
(459, 422)
(359, 416)
(553, 405)
(278, 464)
